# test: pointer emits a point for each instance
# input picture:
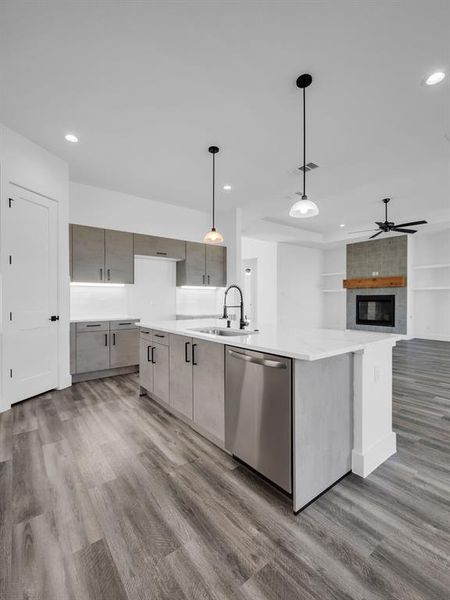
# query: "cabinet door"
(216, 265)
(145, 365)
(151, 245)
(208, 387)
(191, 271)
(92, 351)
(161, 372)
(180, 353)
(119, 256)
(88, 253)
(73, 349)
(124, 347)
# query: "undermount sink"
(222, 331)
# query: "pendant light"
(304, 208)
(213, 236)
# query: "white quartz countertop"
(302, 344)
(103, 318)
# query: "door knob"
(54, 318)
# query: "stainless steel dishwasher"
(258, 413)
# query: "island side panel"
(323, 425)
(374, 440)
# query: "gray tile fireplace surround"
(388, 258)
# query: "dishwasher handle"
(264, 362)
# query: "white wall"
(265, 254)
(27, 165)
(299, 286)
(334, 295)
(430, 287)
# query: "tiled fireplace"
(377, 309)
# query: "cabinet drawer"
(130, 324)
(151, 245)
(145, 334)
(92, 326)
(161, 337)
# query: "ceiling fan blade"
(379, 223)
(365, 230)
(372, 236)
(404, 230)
(412, 223)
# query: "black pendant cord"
(304, 143)
(214, 188)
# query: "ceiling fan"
(390, 226)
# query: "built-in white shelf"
(331, 274)
(435, 266)
(330, 291)
(440, 287)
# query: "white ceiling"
(148, 86)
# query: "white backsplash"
(199, 302)
(150, 298)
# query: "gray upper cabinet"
(151, 245)
(208, 387)
(216, 265)
(203, 265)
(124, 347)
(88, 253)
(101, 255)
(119, 256)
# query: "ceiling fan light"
(213, 237)
(304, 209)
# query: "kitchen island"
(338, 384)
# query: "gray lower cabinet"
(92, 351)
(208, 387)
(124, 347)
(181, 374)
(154, 366)
(88, 254)
(151, 245)
(102, 346)
(203, 265)
(119, 256)
(145, 363)
(161, 371)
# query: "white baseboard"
(364, 464)
(432, 336)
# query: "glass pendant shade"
(304, 209)
(213, 237)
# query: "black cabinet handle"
(106, 339)
(93, 325)
(161, 253)
(101, 274)
(114, 339)
(153, 355)
(208, 279)
(148, 354)
(108, 274)
(186, 359)
(159, 335)
(194, 346)
(128, 324)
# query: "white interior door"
(30, 345)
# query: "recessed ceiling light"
(227, 187)
(435, 78)
(70, 137)
(342, 225)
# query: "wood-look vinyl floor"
(105, 496)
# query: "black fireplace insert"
(375, 310)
